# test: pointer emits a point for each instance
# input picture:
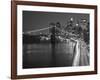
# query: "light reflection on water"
(41, 55)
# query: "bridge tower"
(52, 31)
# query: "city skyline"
(38, 20)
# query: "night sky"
(36, 20)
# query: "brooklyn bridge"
(53, 47)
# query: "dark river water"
(45, 55)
